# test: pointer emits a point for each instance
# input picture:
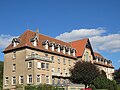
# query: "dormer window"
(46, 46)
(58, 49)
(34, 40)
(68, 50)
(63, 49)
(15, 42)
(73, 52)
(52, 47)
(45, 43)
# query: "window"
(58, 59)
(47, 79)
(46, 55)
(53, 81)
(46, 46)
(64, 81)
(13, 80)
(87, 57)
(58, 81)
(58, 70)
(69, 62)
(29, 64)
(52, 47)
(35, 43)
(74, 53)
(64, 50)
(38, 65)
(43, 65)
(6, 81)
(52, 58)
(29, 78)
(64, 71)
(14, 67)
(58, 48)
(21, 80)
(69, 52)
(64, 61)
(53, 69)
(47, 65)
(38, 78)
(14, 54)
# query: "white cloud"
(5, 40)
(109, 43)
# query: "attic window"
(73, 52)
(58, 49)
(15, 42)
(52, 47)
(34, 41)
(45, 43)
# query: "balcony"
(38, 57)
(60, 74)
(56, 74)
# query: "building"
(34, 58)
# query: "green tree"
(117, 76)
(102, 82)
(84, 72)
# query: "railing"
(60, 74)
(39, 57)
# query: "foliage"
(103, 73)
(42, 87)
(1, 74)
(93, 87)
(102, 82)
(117, 76)
(84, 72)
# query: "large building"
(34, 58)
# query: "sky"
(67, 20)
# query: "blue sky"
(65, 20)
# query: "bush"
(104, 83)
(93, 87)
(42, 87)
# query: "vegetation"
(117, 76)
(102, 82)
(84, 72)
(39, 87)
(1, 75)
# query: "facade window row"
(59, 60)
(29, 79)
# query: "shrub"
(93, 87)
(104, 83)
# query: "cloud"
(99, 41)
(5, 40)
(79, 34)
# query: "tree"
(102, 82)
(117, 76)
(84, 72)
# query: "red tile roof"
(25, 41)
(97, 54)
(79, 45)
